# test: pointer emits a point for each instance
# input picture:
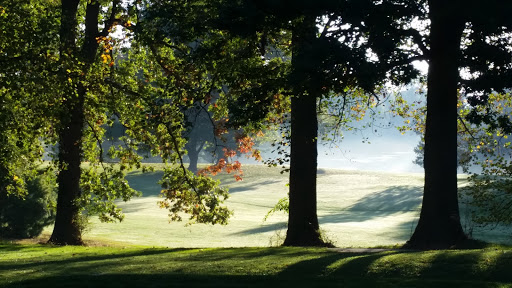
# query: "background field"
(355, 209)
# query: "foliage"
(26, 216)
(490, 185)
(283, 205)
(28, 30)
(85, 79)
(196, 195)
(484, 153)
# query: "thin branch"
(174, 47)
(121, 87)
(98, 140)
(180, 157)
(407, 61)
(417, 39)
(112, 20)
(466, 128)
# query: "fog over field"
(379, 148)
(392, 152)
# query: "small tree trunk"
(439, 224)
(193, 156)
(303, 227)
(193, 150)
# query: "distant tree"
(488, 196)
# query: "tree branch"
(466, 128)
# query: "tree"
(439, 225)
(323, 64)
(439, 222)
(487, 136)
(199, 131)
(62, 81)
(303, 227)
(24, 57)
(26, 216)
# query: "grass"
(355, 209)
(48, 266)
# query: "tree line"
(70, 68)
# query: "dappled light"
(220, 143)
(251, 267)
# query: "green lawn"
(355, 209)
(46, 266)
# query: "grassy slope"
(44, 266)
(355, 209)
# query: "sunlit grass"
(355, 209)
(48, 266)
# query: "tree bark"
(303, 227)
(439, 224)
(68, 227)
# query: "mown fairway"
(355, 209)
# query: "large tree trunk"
(67, 228)
(303, 228)
(439, 224)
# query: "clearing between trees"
(355, 208)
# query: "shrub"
(25, 216)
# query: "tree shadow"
(134, 207)
(147, 182)
(21, 265)
(253, 186)
(264, 228)
(298, 268)
(394, 200)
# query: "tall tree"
(324, 63)
(303, 227)
(24, 51)
(459, 40)
(439, 223)
(78, 54)
(62, 64)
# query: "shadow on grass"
(149, 280)
(270, 267)
(22, 265)
(133, 207)
(254, 186)
(394, 200)
(147, 183)
(264, 228)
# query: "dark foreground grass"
(47, 266)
